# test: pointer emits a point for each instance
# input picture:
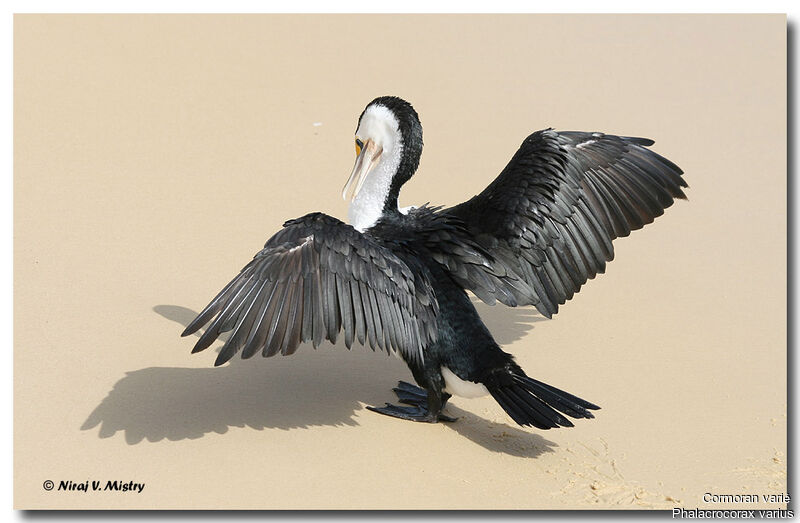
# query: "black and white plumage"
(396, 280)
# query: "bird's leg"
(413, 395)
(436, 401)
(424, 405)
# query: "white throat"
(379, 124)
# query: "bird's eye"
(359, 146)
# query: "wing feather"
(258, 337)
(551, 215)
(315, 278)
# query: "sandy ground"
(155, 155)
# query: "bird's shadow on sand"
(311, 388)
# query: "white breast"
(458, 387)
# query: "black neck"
(411, 133)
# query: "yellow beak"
(365, 161)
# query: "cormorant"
(396, 279)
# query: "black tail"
(531, 402)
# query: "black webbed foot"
(411, 394)
(413, 413)
(417, 398)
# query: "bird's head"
(388, 148)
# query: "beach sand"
(154, 155)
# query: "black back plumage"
(427, 232)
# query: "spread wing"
(316, 277)
(552, 213)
